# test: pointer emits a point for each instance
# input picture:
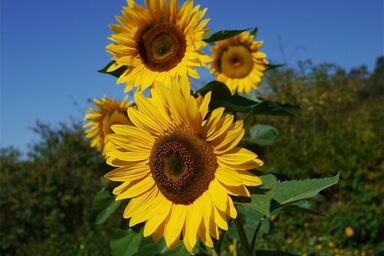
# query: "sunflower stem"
(243, 237)
(253, 241)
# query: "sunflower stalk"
(243, 237)
(253, 241)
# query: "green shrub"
(338, 128)
(46, 198)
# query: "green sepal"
(254, 32)
(222, 97)
(273, 66)
(116, 73)
(224, 34)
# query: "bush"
(46, 200)
(338, 128)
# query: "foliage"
(47, 205)
(338, 128)
(45, 200)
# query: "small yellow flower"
(108, 112)
(232, 247)
(179, 164)
(158, 43)
(349, 232)
(238, 62)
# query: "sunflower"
(238, 63)
(108, 112)
(158, 42)
(179, 164)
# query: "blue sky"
(50, 50)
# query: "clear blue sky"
(50, 50)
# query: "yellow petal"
(213, 119)
(155, 112)
(118, 141)
(134, 134)
(204, 106)
(208, 217)
(129, 156)
(122, 187)
(228, 177)
(175, 224)
(159, 217)
(193, 114)
(144, 122)
(247, 165)
(146, 212)
(138, 188)
(249, 179)
(237, 156)
(230, 139)
(139, 201)
(205, 236)
(220, 219)
(232, 210)
(218, 195)
(112, 161)
(128, 173)
(236, 190)
(221, 127)
(192, 223)
(159, 232)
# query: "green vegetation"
(339, 128)
(46, 201)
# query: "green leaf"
(254, 32)
(149, 247)
(107, 212)
(379, 249)
(301, 207)
(263, 134)
(222, 97)
(262, 196)
(179, 251)
(223, 34)
(290, 191)
(125, 242)
(273, 66)
(116, 73)
(104, 205)
(104, 183)
(272, 253)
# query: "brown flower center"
(236, 62)
(183, 166)
(162, 46)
